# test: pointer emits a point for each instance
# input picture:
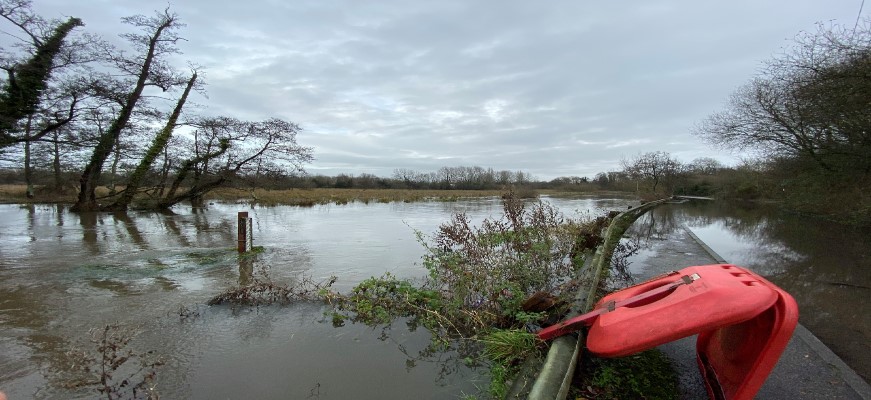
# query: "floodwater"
(64, 274)
(825, 266)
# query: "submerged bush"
(480, 296)
(262, 291)
(112, 367)
(493, 268)
(381, 300)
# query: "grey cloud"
(556, 88)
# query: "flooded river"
(63, 274)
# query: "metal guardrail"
(551, 377)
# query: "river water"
(64, 274)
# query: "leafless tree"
(158, 144)
(226, 148)
(811, 102)
(656, 167)
(147, 69)
(704, 166)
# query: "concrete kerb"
(554, 377)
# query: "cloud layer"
(555, 89)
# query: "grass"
(296, 197)
(15, 194)
(506, 346)
(646, 375)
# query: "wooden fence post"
(242, 243)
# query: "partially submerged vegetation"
(112, 367)
(489, 285)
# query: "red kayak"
(743, 321)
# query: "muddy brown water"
(63, 274)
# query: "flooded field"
(64, 274)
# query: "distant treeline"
(446, 178)
(693, 178)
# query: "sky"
(556, 88)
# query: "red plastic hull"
(744, 323)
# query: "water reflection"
(88, 222)
(246, 270)
(825, 266)
(64, 273)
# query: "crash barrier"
(550, 377)
(743, 321)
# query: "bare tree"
(656, 167)
(226, 148)
(149, 69)
(157, 146)
(704, 166)
(810, 102)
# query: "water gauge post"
(245, 240)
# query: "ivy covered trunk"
(154, 150)
(89, 180)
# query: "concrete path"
(807, 368)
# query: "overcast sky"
(553, 88)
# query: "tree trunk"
(28, 170)
(197, 190)
(91, 175)
(116, 158)
(55, 164)
(194, 194)
(164, 173)
(154, 150)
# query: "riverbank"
(15, 194)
